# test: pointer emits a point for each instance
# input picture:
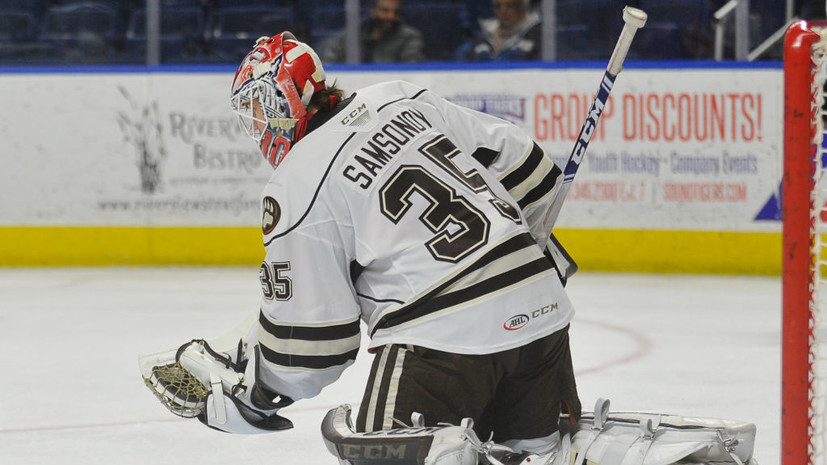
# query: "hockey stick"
(634, 19)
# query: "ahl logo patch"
(271, 214)
(516, 322)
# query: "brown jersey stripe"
(515, 243)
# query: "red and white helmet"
(271, 91)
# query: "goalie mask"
(271, 91)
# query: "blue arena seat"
(679, 12)
(17, 25)
(182, 35)
(444, 27)
(572, 43)
(590, 28)
(259, 3)
(18, 30)
(123, 7)
(80, 19)
(658, 41)
(245, 22)
(767, 16)
(181, 3)
(331, 17)
(666, 33)
(82, 32)
(232, 32)
(184, 21)
(34, 7)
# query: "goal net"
(804, 296)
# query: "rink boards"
(129, 166)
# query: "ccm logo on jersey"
(271, 214)
(520, 321)
(357, 117)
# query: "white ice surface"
(71, 393)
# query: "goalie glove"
(197, 382)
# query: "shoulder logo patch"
(356, 117)
(271, 214)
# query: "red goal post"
(803, 199)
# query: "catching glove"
(197, 382)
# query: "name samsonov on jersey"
(381, 146)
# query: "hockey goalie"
(428, 223)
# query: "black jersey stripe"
(507, 247)
(356, 270)
(315, 362)
(310, 333)
(375, 299)
(525, 170)
(485, 156)
(413, 97)
(539, 191)
(475, 291)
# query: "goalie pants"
(516, 394)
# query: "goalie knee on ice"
(415, 445)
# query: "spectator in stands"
(384, 38)
(515, 33)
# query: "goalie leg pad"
(539, 446)
(655, 439)
(441, 445)
(417, 445)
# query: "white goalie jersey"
(418, 217)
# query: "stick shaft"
(633, 19)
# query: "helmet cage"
(260, 106)
(265, 98)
